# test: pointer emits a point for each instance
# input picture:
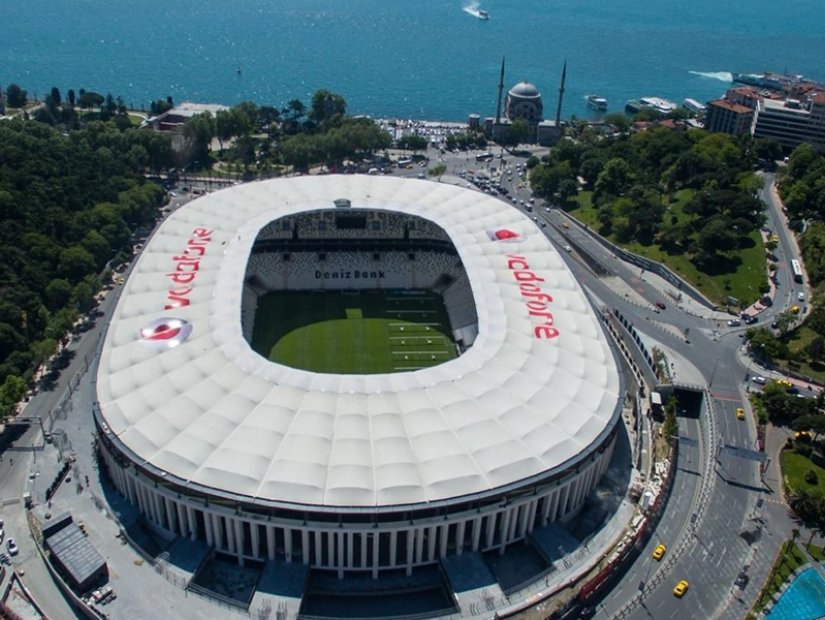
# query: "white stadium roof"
(213, 413)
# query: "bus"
(796, 270)
(487, 156)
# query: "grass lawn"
(353, 332)
(743, 283)
(797, 341)
(794, 467)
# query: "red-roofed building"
(728, 117)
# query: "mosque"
(523, 102)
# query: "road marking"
(729, 396)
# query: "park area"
(741, 275)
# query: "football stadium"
(360, 375)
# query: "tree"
(325, 105)
(518, 132)
(614, 179)
(90, 99)
(70, 95)
(412, 142)
(16, 97)
(437, 170)
(55, 95)
(11, 392)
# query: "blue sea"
(427, 59)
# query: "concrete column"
(210, 530)
(431, 542)
(514, 516)
(157, 504)
(477, 523)
(350, 549)
(270, 542)
(376, 545)
(339, 560)
(183, 522)
(319, 549)
(443, 536)
(410, 545)
(191, 517)
(393, 545)
(217, 531)
(503, 531)
(254, 539)
(364, 550)
(239, 539)
(288, 545)
(171, 515)
(545, 509)
(531, 516)
(130, 490)
(305, 555)
(419, 546)
(491, 527)
(331, 549)
(230, 534)
(459, 537)
(522, 523)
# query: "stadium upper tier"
(183, 395)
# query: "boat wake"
(474, 10)
(722, 76)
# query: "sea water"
(429, 59)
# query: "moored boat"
(596, 102)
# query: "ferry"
(657, 104)
(769, 79)
(597, 103)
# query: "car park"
(659, 552)
(681, 588)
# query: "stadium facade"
(349, 472)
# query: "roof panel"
(213, 411)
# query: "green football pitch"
(353, 332)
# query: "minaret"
(500, 90)
(561, 94)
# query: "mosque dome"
(524, 89)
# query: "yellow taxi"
(659, 552)
(795, 309)
(740, 413)
(680, 589)
(775, 238)
(565, 225)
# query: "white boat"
(596, 102)
(482, 14)
(477, 12)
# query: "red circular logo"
(165, 333)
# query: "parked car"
(759, 380)
(11, 546)
(750, 319)
(661, 305)
(734, 323)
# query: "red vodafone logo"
(503, 234)
(165, 333)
